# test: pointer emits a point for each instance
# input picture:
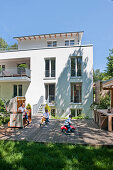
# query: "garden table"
(110, 115)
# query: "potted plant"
(28, 107)
(22, 68)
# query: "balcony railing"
(41, 46)
(48, 74)
(15, 72)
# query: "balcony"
(15, 74)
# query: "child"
(45, 117)
(68, 123)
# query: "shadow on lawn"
(30, 155)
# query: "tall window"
(17, 90)
(76, 66)
(50, 68)
(76, 92)
(50, 92)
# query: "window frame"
(76, 66)
(69, 40)
(73, 91)
(52, 43)
(17, 89)
(50, 67)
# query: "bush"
(104, 102)
(28, 107)
(2, 106)
(48, 108)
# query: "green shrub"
(104, 102)
(2, 106)
(48, 108)
(28, 106)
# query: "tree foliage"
(97, 75)
(3, 43)
(109, 70)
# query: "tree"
(14, 46)
(3, 43)
(109, 70)
(97, 75)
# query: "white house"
(59, 72)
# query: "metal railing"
(15, 72)
(43, 45)
(37, 106)
(9, 49)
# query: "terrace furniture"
(103, 119)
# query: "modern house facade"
(59, 72)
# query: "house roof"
(48, 35)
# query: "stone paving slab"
(87, 132)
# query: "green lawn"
(31, 155)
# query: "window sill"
(75, 103)
(49, 78)
(79, 77)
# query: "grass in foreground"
(30, 155)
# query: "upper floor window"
(52, 43)
(50, 67)
(69, 42)
(76, 66)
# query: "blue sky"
(28, 17)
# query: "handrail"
(15, 71)
(36, 106)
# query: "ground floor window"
(53, 112)
(76, 92)
(50, 92)
(76, 112)
(17, 90)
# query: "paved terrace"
(87, 132)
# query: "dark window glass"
(79, 66)
(76, 93)
(54, 43)
(79, 112)
(51, 92)
(15, 90)
(72, 42)
(19, 90)
(3, 67)
(53, 112)
(67, 43)
(73, 112)
(73, 69)
(46, 91)
(47, 68)
(49, 43)
(53, 68)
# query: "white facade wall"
(35, 89)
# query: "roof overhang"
(48, 36)
(108, 84)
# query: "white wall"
(62, 55)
